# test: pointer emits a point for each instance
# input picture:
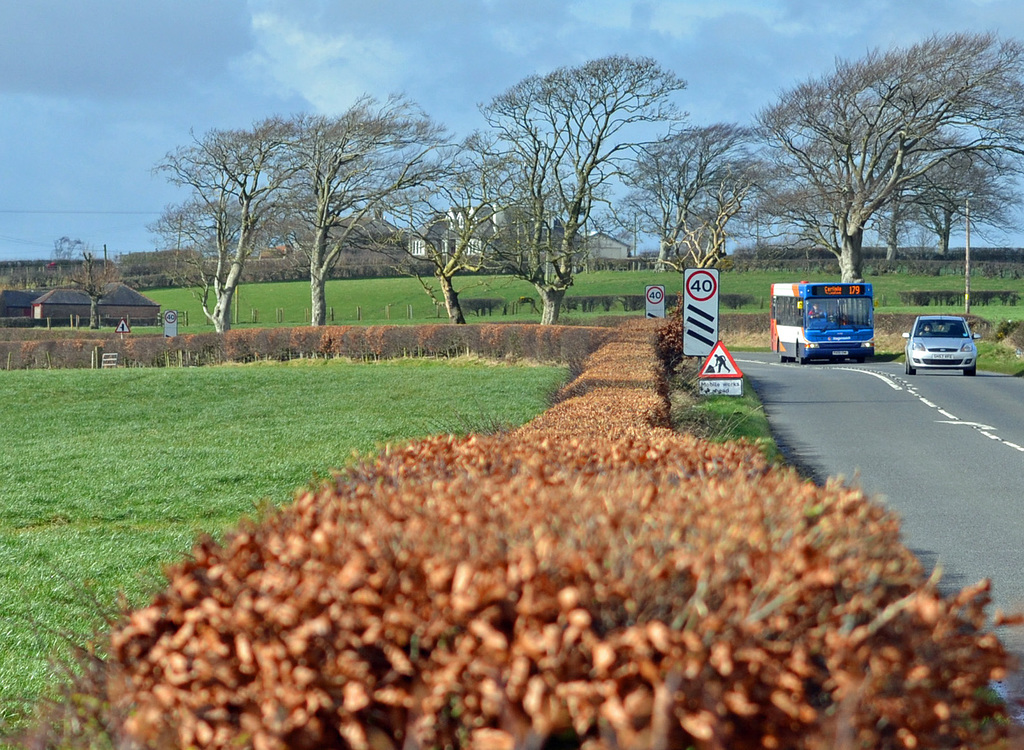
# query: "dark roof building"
(119, 301)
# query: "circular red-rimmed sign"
(655, 294)
(701, 286)
(171, 317)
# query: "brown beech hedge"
(590, 580)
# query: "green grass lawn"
(368, 300)
(108, 474)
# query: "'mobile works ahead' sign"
(720, 375)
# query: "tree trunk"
(221, 316)
(451, 301)
(94, 313)
(945, 231)
(851, 261)
(317, 296)
(664, 247)
(892, 241)
(552, 299)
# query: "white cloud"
(329, 70)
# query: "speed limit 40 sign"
(655, 301)
(700, 311)
(170, 323)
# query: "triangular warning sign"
(123, 327)
(720, 364)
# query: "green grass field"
(108, 474)
(368, 300)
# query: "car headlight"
(968, 347)
(917, 346)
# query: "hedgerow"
(509, 341)
(592, 579)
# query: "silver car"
(941, 342)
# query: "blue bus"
(831, 321)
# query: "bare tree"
(687, 187)
(66, 248)
(567, 133)
(988, 181)
(344, 170)
(847, 143)
(235, 179)
(451, 222)
(94, 277)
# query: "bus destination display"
(836, 290)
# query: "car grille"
(946, 362)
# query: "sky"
(95, 93)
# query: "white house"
(602, 245)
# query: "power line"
(95, 213)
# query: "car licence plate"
(944, 356)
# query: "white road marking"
(975, 425)
(884, 378)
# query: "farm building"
(17, 303)
(61, 305)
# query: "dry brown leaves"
(592, 576)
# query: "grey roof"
(116, 295)
(124, 296)
(18, 297)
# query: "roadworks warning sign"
(720, 364)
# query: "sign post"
(655, 301)
(700, 319)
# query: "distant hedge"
(979, 297)
(501, 340)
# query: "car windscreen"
(941, 329)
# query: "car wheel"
(970, 371)
(911, 370)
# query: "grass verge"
(720, 418)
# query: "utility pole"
(967, 258)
